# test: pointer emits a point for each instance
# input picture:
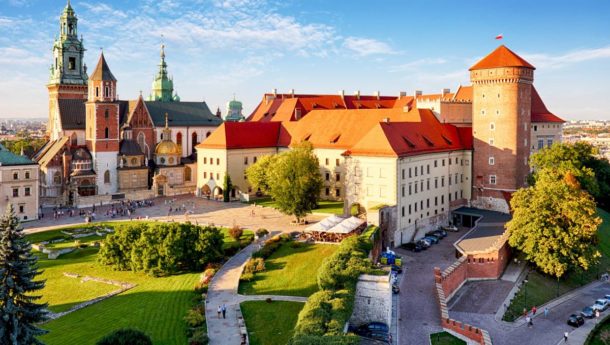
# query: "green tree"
(294, 181)
(126, 336)
(582, 160)
(257, 173)
(19, 312)
(226, 188)
(555, 223)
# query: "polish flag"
(499, 37)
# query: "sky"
(219, 48)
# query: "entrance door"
(160, 190)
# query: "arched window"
(97, 92)
(134, 161)
(141, 141)
(179, 139)
(107, 177)
(106, 92)
(187, 173)
(106, 113)
(208, 134)
(106, 132)
(194, 140)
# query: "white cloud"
(413, 65)
(367, 46)
(14, 56)
(558, 61)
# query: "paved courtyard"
(200, 211)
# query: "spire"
(163, 85)
(166, 122)
(102, 71)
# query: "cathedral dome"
(167, 147)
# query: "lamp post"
(525, 291)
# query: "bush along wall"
(162, 248)
(326, 312)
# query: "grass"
(324, 206)
(270, 323)
(600, 334)
(542, 288)
(444, 338)
(289, 271)
(156, 305)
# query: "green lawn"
(156, 305)
(444, 338)
(270, 323)
(542, 288)
(324, 206)
(289, 271)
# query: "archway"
(179, 141)
(194, 141)
(217, 191)
(205, 190)
(187, 173)
(107, 176)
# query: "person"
(534, 310)
(219, 311)
(524, 312)
(546, 311)
(529, 321)
(596, 315)
(565, 336)
(224, 311)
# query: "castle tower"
(68, 73)
(163, 85)
(234, 111)
(502, 89)
(102, 126)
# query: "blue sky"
(217, 48)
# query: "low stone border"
(122, 285)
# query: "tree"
(226, 188)
(555, 223)
(19, 312)
(293, 180)
(126, 336)
(257, 173)
(236, 232)
(581, 159)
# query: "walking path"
(223, 290)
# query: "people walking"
(534, 311)
(565, 336)
(224, 311)
(546, 311)
(529, 321)
(219, 311)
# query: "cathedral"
(102, 148)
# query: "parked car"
(375, 330)
(425, 244)
(451, 228)
(607, 297)
(576, 320)
(587, 312)
(437, 233)
(412, 246)
(441, 232)
(395, 289)
(601, 304)
(396, 269)
(432, 239)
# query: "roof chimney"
(386, 119)
(445, 91)
(357, 94)
(376, 94)
(292, 93)
(274, 92)
(402, 94)
(418, 93)
(342, 93)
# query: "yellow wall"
(26, 207)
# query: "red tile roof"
(501, 57)
(539, 111)
(408, 138)
(243, 135)
(463, 93)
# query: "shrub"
(296, 245)
(355, 209)
(268, 300)
(261, 232)
(201, 287)
(254, 265)
(231, 250)
(199, 337)
(236, 232)
(246, 277)
(126, 336)
(194, 318)
(325, 340)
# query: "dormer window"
(71, 63)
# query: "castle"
(408, 161)
(102, 148)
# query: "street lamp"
(525, 291)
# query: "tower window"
(106, 133)
(72, 63)
(107, 176)
(492, 161)
(106, 113)
(107, 92)
(97, 91)
(492, 126)
(492, 179)
(491, 141)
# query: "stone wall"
(373, 300)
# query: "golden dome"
(167, 147)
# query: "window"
(253, 159)
(403, 174)
(71, 63)
(106, 133)
(409, 172)
(427, 202)
(492, 126)
(211, 175)
(525, 142)
(205, 174)
(409, 189)
(436, 182)
(402, 211)
(337, 177)
(106, 113)
(57, 178)
(492, 161)
(27, 191)
(97, 91)
(442, 181)
(535, 128)
(187, 173)
(436, 201)
(415, 187)
(337, 162)
(217, 161)
(205, 160)
(107, 176)
(217, 176)
(327, 176)
(415, 207)
(491, 141)
(402, 190)
(327, 161)
(245, 160)
(15, 175)
(428, 184)
(443, 161)
(428, 169)
(327, 191)
(492, 179)
(497, 112)
(449, 179)
(27, 175)
(540, 144)
(442, 199)
(435, 163)
(415, 171)
(483, 112)
(337, 192)
(21, 208)
(456, 160)
(421, 170)
(421, 185)
(15, 192)
(107, 92)
(409, 209)
(549, 142)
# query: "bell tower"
(102, 126)
(501, 118)
(68, 73)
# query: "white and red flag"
(500, 36)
